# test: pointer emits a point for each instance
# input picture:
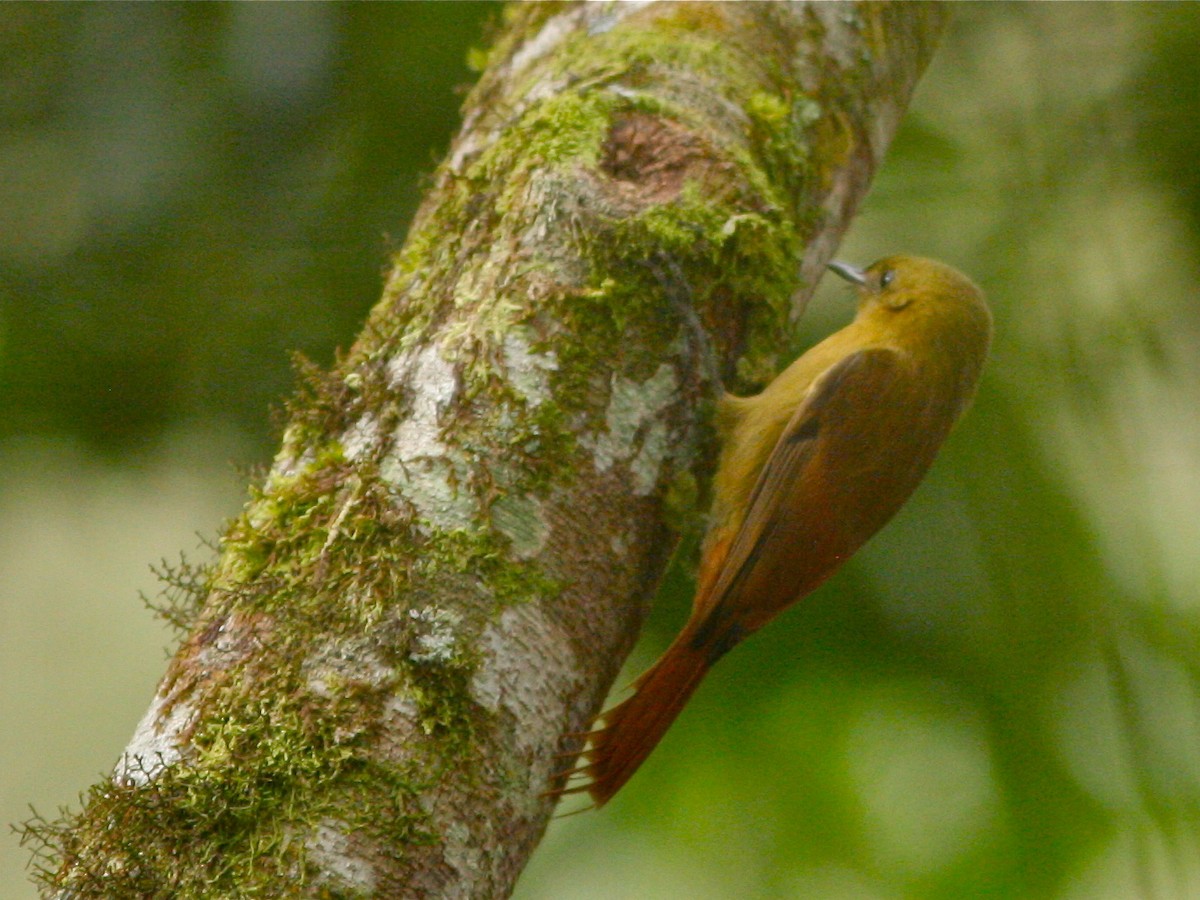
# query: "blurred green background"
(189, 192)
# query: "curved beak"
(849, 272)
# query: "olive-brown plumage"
(811, 468)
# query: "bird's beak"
(849, 272)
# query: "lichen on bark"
(450, 556)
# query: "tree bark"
(451, 555)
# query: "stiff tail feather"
(633, 728)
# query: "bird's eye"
(887, 278)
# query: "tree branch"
(450, 557)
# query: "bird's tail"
(631, 729)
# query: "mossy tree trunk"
(450, 557)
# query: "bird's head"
(913, 297)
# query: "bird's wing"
(826, 420)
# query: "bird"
(809, 469)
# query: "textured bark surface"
(451, 555)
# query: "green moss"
(637, 50)
(184, 588)
(566, 128)
(268, 760)
(257, 785)
(485, 554)
(780, 129)
(731, 255)
(440, 698)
